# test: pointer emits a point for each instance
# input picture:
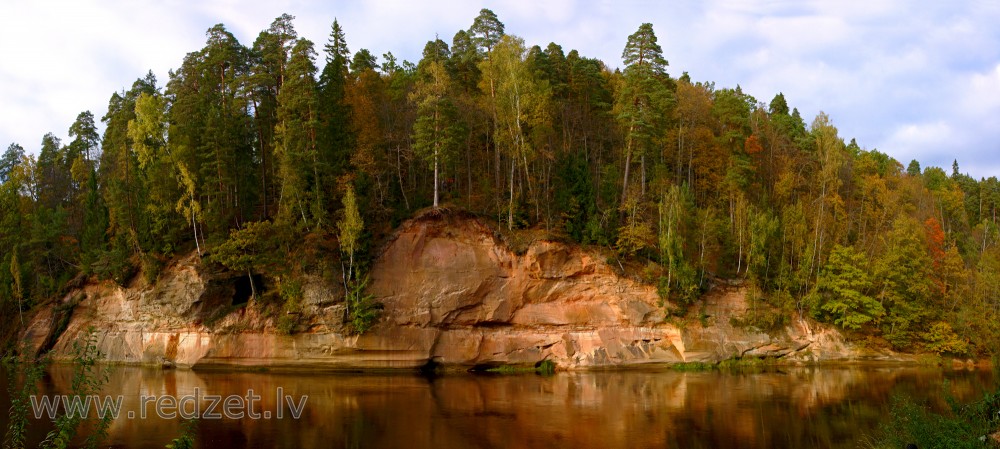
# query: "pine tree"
(642, 100)
(296, 142)
(268, 60)
(486, 31)
(10, 159)
(86, 141)
(122, 187)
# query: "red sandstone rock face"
(466, 278)
(453, 294)
(492, 306)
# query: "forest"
(260, 161)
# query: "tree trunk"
(436, 177)
(194, 227)
(399, 175)
(642, 186)
(253, 289)
(628, 163)
(437, 149)
(510, 209)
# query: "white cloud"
(968, 128)
(923, 139)
(983, 97)
(70, 57)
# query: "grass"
(545, 368)
(929, 360)
(751, 364)
(693, 366)
(744, 364)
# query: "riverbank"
(454, 294)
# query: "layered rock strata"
(453, 293)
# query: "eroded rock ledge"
(453, 293)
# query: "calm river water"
(793, 408)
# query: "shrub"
(963, 426)
(362, 309)
(940, 338)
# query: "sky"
(912, 78)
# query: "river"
(790, 407)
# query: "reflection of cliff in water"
(799, 407)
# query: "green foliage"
(256, 246)
(763, 314)
(642, 100)
(763, 235)
(30, 372)
(680, 284)
(842, 292)
(335, 135)
(902, 278)
(286, 324)
(11, 159)
(520, 106)
(363, 310)
(574, 197)
(363, 60)
(545, 368)
(301, 170)
(350, 226)
(186, 440)
(87, 380)
(941, 339)
(963, 426)
(486, 30)
(291, 308)
(115, 264)
(738, 364)
(681, 289)
(636, 234)
(642, 49)
(748, 364)
(17, 292)
(245, 152)
(692, 366)
(151, 266)
(437, 128)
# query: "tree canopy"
(253, 149)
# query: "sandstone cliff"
(453, 293)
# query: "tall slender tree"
(435, 133)
(521, 103)
(268, 59)
(335, 113)
(642, 100)
(297, 144)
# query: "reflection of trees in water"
(795, 407)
